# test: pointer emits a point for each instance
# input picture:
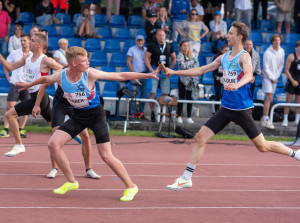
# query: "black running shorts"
(59, 114)
(289, 88)
(15, 95)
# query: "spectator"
(85, 23)
(63, 6)
(44, 13)
(229, 9)
(34, 29)
(149, 7)
(248, 46)
(108, 8)
(284, 12)
(88, 3)
(159, 51)
(243, 8)
(165, 23)
(12, 8)
(151, 28)
(195, 5)
(179, 10)
(209, 7)
(191, 30)
(60, 55)
(218, 27)
(15, 40)
(273, 62)
(45, 51)
(4, 30)
(187, 86)
(297, 15)
(292, 71)
(218, 76)
(135, 63)
(264, 6)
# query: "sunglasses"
(194, 14)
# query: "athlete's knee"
(10, 114)
(84, 135)
(263, 146)
(53, 145)
(200, 139)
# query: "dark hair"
(298, 43)
(275, 36)
(241, 29)
(224, 46)
(26, 35)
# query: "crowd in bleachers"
(108, 38)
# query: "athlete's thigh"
(58, 115)
(72, 127)
(218, 121)
(25, 107)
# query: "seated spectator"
(191, 29)
(85, 24)
(218, 27)
(45, 50)
(284, 12)
(44, 13)
(187, 86)
(60, 55)
(34, 29)
(14, 42)
(243, 8)
(12, 8)
(165, 23)
(150, 7)
(151, 27)
(218, 76)
(179, 10)
(195, 5)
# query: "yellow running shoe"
(129, 194)
(66, 187)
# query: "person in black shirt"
(151, 28)
(159, 51)
(12, 8)
(44, 13)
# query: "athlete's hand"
(168, 72)
(137, 81)
(295, 83)
(230, 87)
(24, 86)
(36, 111)
(153, 74)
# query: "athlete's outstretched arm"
(13, 66)
(51, 63)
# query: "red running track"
(234, 183)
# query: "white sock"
(285, 117)
(294, 154)
(19, 145)
(266, 118)
(297, 118)
(187, 174)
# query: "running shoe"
(78, 139)
(16, 150)
(66, 187)
(285, 123)
(129, 194)
(23, 133)
(179, 120)
(91, 174)
(179, 184)
(267, 124)
(52, 174)
(4, 134)
(189, 121)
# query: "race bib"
(229, 77)
(29, 78)
(162, 59)
(77, 99)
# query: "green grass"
(116, 132)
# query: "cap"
(139, 37)
(152, 14)
(217, 12)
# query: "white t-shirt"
(199, 9)
(243, 4)
(61, 55)
(14, 43)
(18, 75)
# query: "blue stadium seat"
(134, 21)
(74, 42)
(64, 19)
(11, 32)
(110, 89)
(26, 17)
(117, 21)
(292, 38)
(127, 44)
(118, 60)
(265, 26)
(66, 31)
(288, 48)
(106, 33)
(258, 81)
(208, 79)
(228, 22)
(202, 60)
(75, 16)
(220, 43)
(108, 69)
(140, 32)
(124, 69)
(262, 50)
(257, 38)
(53, 43)
(51, 90)
(100, 20)
(26, 29)
(176, 47)
(2, 74)
(206, 49)
(174, 81)
(51, 30)
(112, 45)
(98, 58)
(122, 34)
(280, 83)
(92, 44)
(4, 85)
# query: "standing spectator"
(15, 40)
(273, 62)
(218, 27)
(151, 28)
(88, 3)
(149, 7)
(44, 13)
(284, 12)
(191, 30)
(248, 46)
(297, 15)
(208, 11)
(135, 63)
(159, 51)
(108, 8)
(12, 7)
(14, 95)
(63, 6)
(165, 23)
(187, 86)
(195, 5)
(179, 10)
(4, 30)
(60, 55)
(85, 23)
(292, 71)
(218, 76)
(229, 9)
(243, 8)
(264, 6)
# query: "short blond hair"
(75, 51)
(42, 39)
(62, 40)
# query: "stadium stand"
(105, 32)
(134, 21)
(112, 45)
(117, 21)
(51, 30)
(26, 18)
(118, 60)
(123, 34)
(100, 20)
(73, 41)
(64, 19)
(98, 58)
(92, 44)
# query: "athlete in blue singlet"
(236, 105)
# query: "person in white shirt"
(273, 62)
(14, 42)
(195, 5)
(218, 27)
(60, 55)
(243, 8)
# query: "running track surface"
(234, 183)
